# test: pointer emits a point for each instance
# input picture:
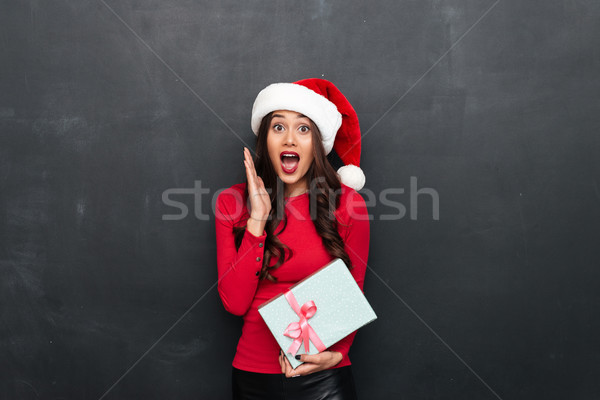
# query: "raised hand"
(260, 202)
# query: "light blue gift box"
(341, 308)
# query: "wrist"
(259, 219)
(255, 227)
(337, 356)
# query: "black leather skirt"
(329, 384)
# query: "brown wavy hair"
(324, 185)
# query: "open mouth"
(289, 161)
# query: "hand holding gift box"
(317, 312)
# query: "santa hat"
(327, 107)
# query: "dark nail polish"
(298, 357)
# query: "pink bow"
(301, 331)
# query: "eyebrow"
(281, 116)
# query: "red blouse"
(242, 292)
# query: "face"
(289, 142)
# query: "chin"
(287, 179)
(290, 179)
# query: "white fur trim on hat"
(352, 176)
(294, 97)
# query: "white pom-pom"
(352, 176)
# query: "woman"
(292, 217)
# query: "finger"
(255, 176)
(311, 363)
(312, 358)
(288, 370)
(305, 369)
(248, 157)
(281, 362)
(249, 177)
(261, 184)
(251, 172)
(298, 371)
(253, 166)
(287, 367)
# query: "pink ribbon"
(301, 331)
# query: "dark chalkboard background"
(492, 106)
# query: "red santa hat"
(327, 107)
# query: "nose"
(290, 139)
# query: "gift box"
(317, 312)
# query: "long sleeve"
(356, 243)
(238, 270)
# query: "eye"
(278, 128)
(304, 129)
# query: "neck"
(295, 189)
